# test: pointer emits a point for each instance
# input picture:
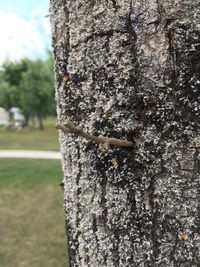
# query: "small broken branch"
(69, 127)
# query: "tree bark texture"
(130, 70)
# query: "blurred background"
(31, 200)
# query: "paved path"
(33, 154)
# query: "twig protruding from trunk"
(69, 127)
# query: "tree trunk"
(40, 123)
(130, 70)
(26, 122)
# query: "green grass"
(32, 226)
(29, 139)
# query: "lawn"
(30, 139)
(32, 218)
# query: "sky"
(24, 29)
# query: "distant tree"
(36, 90)
(10, 78)
(6, 99)
(29, 85)
(12, 71)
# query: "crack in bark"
(173, 53)
(115, 6)
(154, 210)
(101, 34)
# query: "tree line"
(29, 85)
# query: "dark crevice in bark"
(131, 201)
(66, 39)
(114, 2)
(130, 29)
(72, 251)
(78, 196)
(104, 185)
(161, 12)
(79, 168)
(63, 58)
(61, 51)
(173, 54)
(109, 33)
(196, 173)
(155, 223)
(74, 257)
(187, 86)
(95, 223)
(101, 34)
(115, 252)
(160, 16)
(173, 252)
(95, 229)
(70, 255)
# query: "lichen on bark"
(133, 73)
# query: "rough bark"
(130, 69)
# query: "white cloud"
(39, 18)
(38, 11)
(22, 37)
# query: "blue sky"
(24, 29)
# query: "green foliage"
(13, 71)
(10, 78)
(29, 85)
(7, 93)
